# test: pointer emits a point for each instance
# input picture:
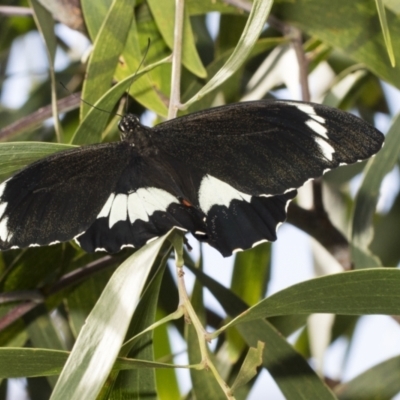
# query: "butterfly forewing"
(226, 175)
(268, 147)
(56, 198)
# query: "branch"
(68, 280)
(33, 120)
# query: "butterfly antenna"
(89, 104)
(136, 72)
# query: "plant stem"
(202, 335)
(175, 97)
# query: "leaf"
(380, 382)
(45, 23)
(28, 362)
(100, 339)
(165, 19)
(145, 90)
(385, 30)
(15, 155)
(94, 14)
(251, 273)
(137, 383)
(93, 125)
(294, 376)
(203, 381)
(362, 292)
(367, 196)
(361, 39)
(108, 46)
(249, 367)
(251, 32)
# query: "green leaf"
(15, 155)
(291, 371)
(362, 39)
(251, 32)
(138, 383)
(95, 13)
(385, 30)
(145, 90)
(165, 20)
(203, 381)
(393, 5)
(108, 46)
(249, 367)
(166, 380)
(251, 273)
(45, 23)
(380, 382)
(93, 125)
(17, 362)
(82, 300)
(367, 196)
(100, 339)
(362, 292)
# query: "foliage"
(84, 317)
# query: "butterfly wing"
(105, 196)
(56, 198)
(268, 147)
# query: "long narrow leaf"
(367, 196)
(251, 32)
(385, 30)
(101, 338)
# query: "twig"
(33, 120)
(297, 43)
(65, 281)
(175, 98)
(20, 11)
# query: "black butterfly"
(225, 174)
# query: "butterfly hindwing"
(149, 199)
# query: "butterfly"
(225, 174)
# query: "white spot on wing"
(119, 210)
(317, 128)
(326, 148)
(146, 201)
(3, 229)
(307, 109)
(106, 208)
(237, 250)
(3, 207)
(55, 242)
(2, 187)
(259, 242)
(213, 191)
(127, 245)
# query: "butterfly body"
(225, 174)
